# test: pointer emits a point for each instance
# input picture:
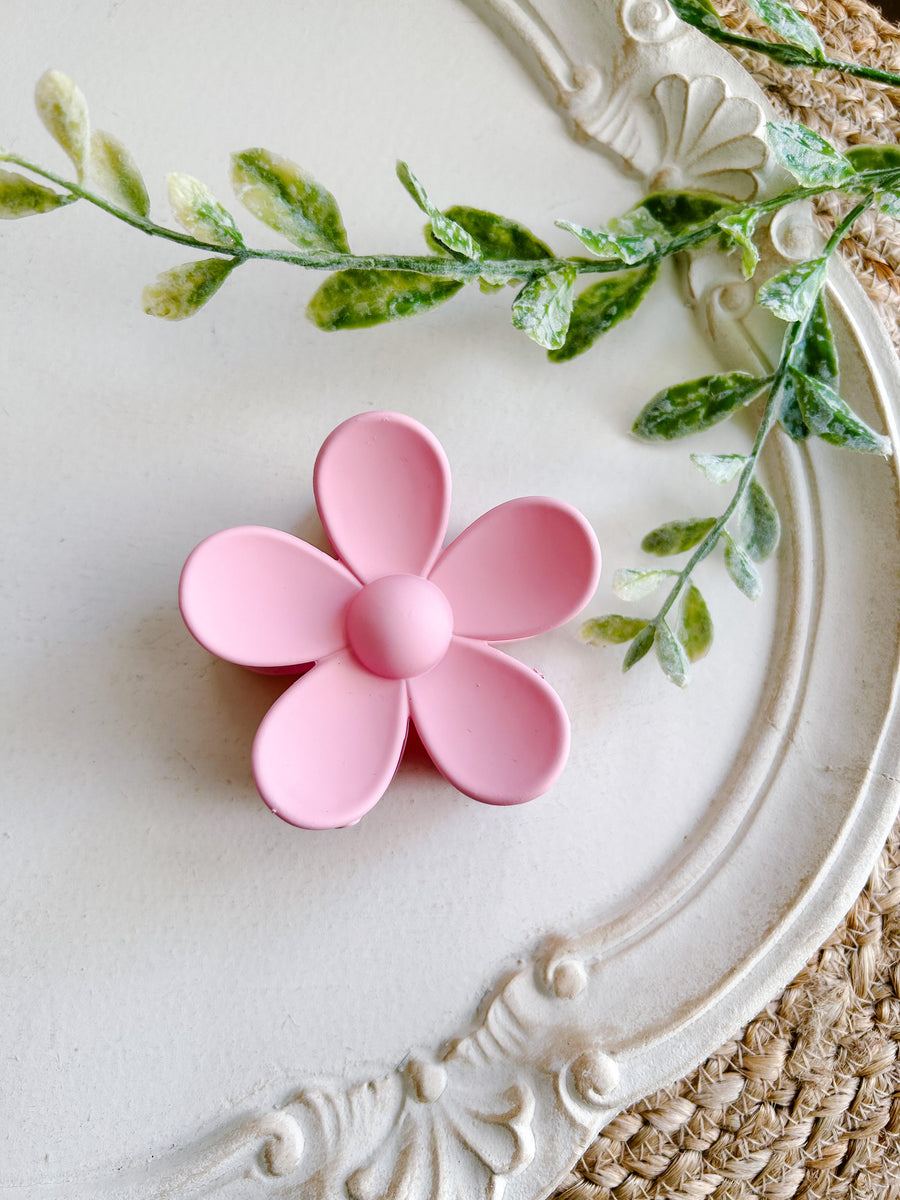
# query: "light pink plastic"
(398, 629)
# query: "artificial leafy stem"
(705, 547)
(440, 266)
(788, 54)
(319, 260)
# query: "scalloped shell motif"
(712, 140)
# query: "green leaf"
(178, 293)
(640, 646)
(884, 157)
(792, 294)
(809, 158)
(679, 211)
(696, 405)
(543, 308)
(632, 584)
(699, 13)
(356, 298)
(831, 419)
(117, 173)
(454, 237)
(677, 536)
(889, 202)
(631, 238)
(815, 354)
(784, 19)
(672, 656)
(22, 197)
(612, 628)
(740, 227)
(719, 468)
(696, 631)
(451, 235)
(498, 238)
(759, 526)
(200, 214)
(601, 306)
(280, 195)
(63, 109)
(741, 569)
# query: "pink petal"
(264, 599)
(492, 726)
(523, 568)
(329, 746)
(382, 486)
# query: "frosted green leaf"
(415, 188)
(543, 308)
(809, 158)
(719, 468)
(117, 174)
(289, 201)
(22, 197)
(600, 307)
(696, 405)
(699, 13)
(830, 418)
(630, 583)
(498, 238)
(200, 214)
(791, 294)
(784, 19)
(679, 211)
(446, 230)
(612, 628)
(740, 228)
(635, 236)
(63, 109)
(874, 158)
(696, 630)
(676, 536)
(639, 647)
(815, 354)
(672, 656)
(180, 292)
(741, 569)
(889, 202)
(759, 526)
(356, 299)
(454, 237)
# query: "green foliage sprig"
(808, 356)
(800, 46)
(469, 245)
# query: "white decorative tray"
(447, 1000)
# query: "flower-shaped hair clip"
(398, 629)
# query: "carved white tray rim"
(506, 1109)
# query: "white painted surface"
(171, 955)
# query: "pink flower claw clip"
(398, 629)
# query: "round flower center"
(399, 626)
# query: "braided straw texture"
(805, 1101)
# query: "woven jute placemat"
(805, 1101)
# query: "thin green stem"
(771, 413)
(796, 56)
